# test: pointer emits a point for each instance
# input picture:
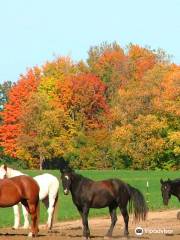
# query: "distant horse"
(49, 187)
(170, 187)
(22, 189)
(111, 193)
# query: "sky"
(33, 32)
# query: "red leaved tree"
(83, 96)
(18, 96)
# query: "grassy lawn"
(138, 179)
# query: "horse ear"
(161, 181)
(69, 169)
(64, 166)
(66, 170)
(61, 170)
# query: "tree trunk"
(41, 158)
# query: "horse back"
(101, 194)
(15, 189)
(112, 186)
(48, 184)
(175, 188)
(27, 186)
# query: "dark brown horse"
(22, 189)
(111, 193)
(168, 188)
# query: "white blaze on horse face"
(67, 177)
(65, 191)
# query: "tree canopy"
(118, 109)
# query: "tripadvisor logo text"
(139, 231)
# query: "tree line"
(118, 109)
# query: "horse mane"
(175, 181)
(14, 171)
(80, 177)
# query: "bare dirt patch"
(159, 225)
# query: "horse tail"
(138, 203)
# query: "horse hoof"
(126, 234)
(48, 228)
(25, 227)
(30, 234)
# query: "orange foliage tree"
(120, 105)
(18, 96)
(140, 60)
(109, 62)
(83, 96)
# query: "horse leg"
(16, 217)
(86, 231)
(112, 211)
(49, 203)
(52, 204)
(26, 219)
(46, 204)
(84, 214)
(33, 210)
(126, 219)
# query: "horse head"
(166, 190)
(66, 174)
(3, 171)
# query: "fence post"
(147, 192)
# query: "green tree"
(4, 90)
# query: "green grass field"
(67, 210)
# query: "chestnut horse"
(48, 193)
(22, 189)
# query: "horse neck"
(175, 189)
(76, 181)
(13, 173)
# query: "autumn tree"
(54, 72)
(168, 100)
(120, 108)
(142, 141)
(140, 60)
(139, 97)
(82, 95)
(46, 131)
(18, 96)
(109, 63)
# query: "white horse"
(49, 188)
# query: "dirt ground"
(159, 225)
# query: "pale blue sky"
(34, 31)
